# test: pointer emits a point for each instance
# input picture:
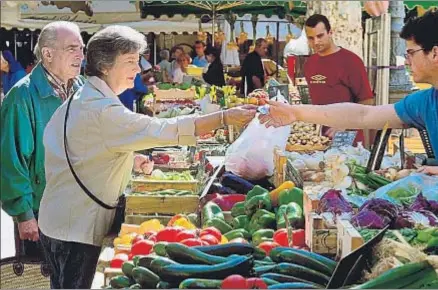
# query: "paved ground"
(7, 236)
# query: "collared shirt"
(102, 136)
(64, 90)
(200, 61)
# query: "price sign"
(344, 138)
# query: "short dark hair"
(213, 51)
(259, 42)
(178, 48)
(423, 30)
(199, 42)
(313, 20)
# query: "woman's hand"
(240, 116)
(143, 164)
(279, 115)
(429, 170)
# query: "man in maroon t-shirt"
(334, 74)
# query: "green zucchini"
(398, 277)
(145, 261)
(127, 268)
(275, 253)
(429, 276)
(135, 286)
(293, 285)
(193, 283)
(225, 250)
(119, 282)
(238, 265)
(183, 254)
(259, 263)
(269, 282)
(260, 270)
(280, 278)
(159, 263)
(301, 272)
(145, 277)
(298, 258)
(259, 254)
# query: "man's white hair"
(49, 35)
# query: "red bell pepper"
(299, 238)
(268, 246)
(143, 247)
(169, 234)
(280, 237)
(118, 260)
(256, 283)
(226, 202)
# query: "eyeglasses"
(410, 54)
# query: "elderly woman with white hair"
(89, 147)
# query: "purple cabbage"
(367, 219)
(333, 201)
(434, 206)
(421, 203)
(409, 219)
(384, 208)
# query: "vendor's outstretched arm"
(342, 115)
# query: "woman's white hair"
(107, 44)
(49, 35)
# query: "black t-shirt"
(252, 66)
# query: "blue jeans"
(72, 264)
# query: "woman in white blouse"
(102, 136)
(182, 62)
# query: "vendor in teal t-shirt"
(418, 110)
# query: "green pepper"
(238, 209)
(262, 235)
(294, 215)
(238, 233)
(256, 190)
(211, 210)
(240, 222)
(262, 219)
(291, 195)
(259, 201)
(219, 224)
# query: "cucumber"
(398, 277)
(145, 277)
(183, 254)
(158, 263)
(260, 270)
(193, 283)
(238, 233)
(160, 248)
(293, 285)
(298, 258)
(127, 268)
(119, 282)
(259, 263)
(238, 265)
(326, 261)
(226, 250)
(301, 272)
(286, 279)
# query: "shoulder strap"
(84, 188)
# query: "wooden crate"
(109, 273)
(310, 202)
(137, 219)
(140, 184)
(280, 160)
(320, 238)
(174, 94)
(171, 205)
(349, 239)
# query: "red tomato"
(143, 247)
(210, 239)
(280, 237)
(299, 238)
(239, 240)
(211, 231)
(118, 260)
(192, 242)
(185, 235)
(137, 238)
(268, 246)
(168, 234)
(256, 283)
(234, 282)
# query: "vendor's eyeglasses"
(410, 54)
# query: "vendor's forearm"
(349, 115)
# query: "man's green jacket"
(25, 112)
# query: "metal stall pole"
(277, 47)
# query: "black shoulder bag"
(119, 216)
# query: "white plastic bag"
(251, 156)
(298, 46)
